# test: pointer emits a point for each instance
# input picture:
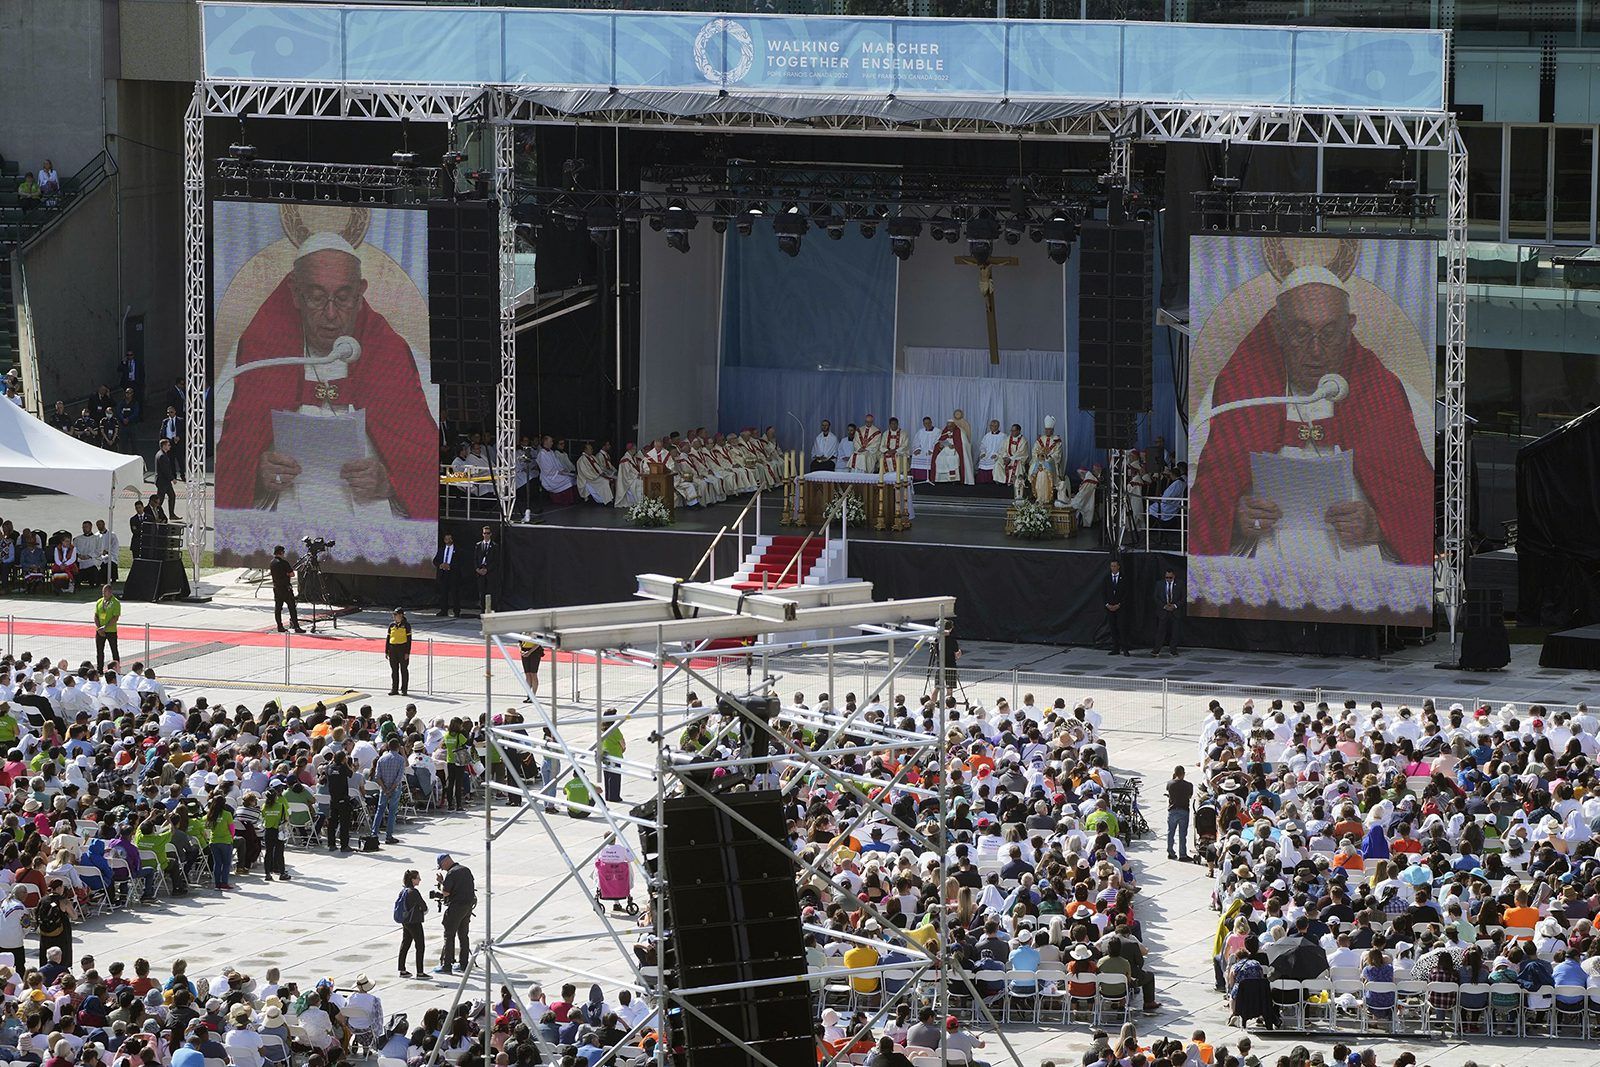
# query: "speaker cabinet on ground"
(1484, 643)
(464, 290)
(733, 916)
(157, 572)
(1116, 310)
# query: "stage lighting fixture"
(1014, 229)
(869, 228)
(678, 222)
(403, 158)
(1059, 233)
(830, 224)
(1224, 184)
(790, 226)
(982, 232)
(602, 222)
(903, 236)
(656, 223)
(936, 229)
(242, 152)
(1403, 186)
(719, 224)
(748, 218)
(452, 160)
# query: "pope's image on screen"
(327, 423)
(1312, 428)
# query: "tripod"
(938, 680)
(312, 589)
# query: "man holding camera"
(457, 896)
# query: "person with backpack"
(410, 910)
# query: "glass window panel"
(1483, 181)
(1572, 183)
(1495, 399)
(1530, 181)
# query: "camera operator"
(948, 678)
(457, 896)
(283, 589)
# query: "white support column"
(505, 425)
(194, 325)
(1455, 380)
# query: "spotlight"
(1403, 186)
(875, 214)
(748, 218)
(830, 223)
(403, 158)
(719, 224)
(1059, 233)
(1014, 229)
(656, 223)
(936, 229)
(602, 222)
(790, 226)
(452, 160)
(678, 222)
(869, 228)
(242, 152)
(982, 232)
(903, 235)
(1224, 184)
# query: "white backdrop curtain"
(936, 381)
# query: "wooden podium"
(658, 485)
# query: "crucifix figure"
(986, 287)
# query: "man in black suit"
(445, 575)
(1169, 609)
(485, 556)
(1112, 594)
(172, 430)
(282, 572)
(166, 474)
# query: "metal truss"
(1264, 210)
(1143, 122)
(565, 732)
(352, 175)
(505, 400)
(1455, 382)
(195, 377)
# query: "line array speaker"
(733, 916)
(464, 290)
(1116, 307)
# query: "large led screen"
(1311, 428)
(327, 424)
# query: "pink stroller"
(613, 879)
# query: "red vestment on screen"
(1374, 422)
(383, 383)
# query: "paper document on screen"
(320, 443)
(1303, 486)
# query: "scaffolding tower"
(676, 630)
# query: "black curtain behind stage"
(1053, 598)
(1037, 596)
(1558, 526)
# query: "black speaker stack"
(464, 290)
(1484, 643)
(1116, 309)
(732, 915)
(157, 572)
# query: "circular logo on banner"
(710, 64)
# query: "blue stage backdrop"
(811, 337)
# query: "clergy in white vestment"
(923, 443)
(825, 448)
(991, 454)
(772, 456)
(1083, 500)
(467, 465)
(952, 456)
(556, 474)
(592, 482)
(1046, 464)
(684, 489)
(692, 464)
(630, 477)
(894, 443)
(1015, 456)
(845, 459)
(959, 417)
(869, 448)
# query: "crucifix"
(986, 287)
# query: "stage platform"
(1576, 649)
(1045, 592)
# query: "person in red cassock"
(1309, 333)
(318, 309)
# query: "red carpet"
(778, 557)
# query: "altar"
(888, 497)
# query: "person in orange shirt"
(979, 760)
(1521, 916)
(1349, 858)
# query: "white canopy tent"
(34, 453)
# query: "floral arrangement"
(855, 512)
(650, 512)
(1033, 522)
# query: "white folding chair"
(1052, 994)
(1112, 1001)
(1316, 1004)
(1289, 995)
(1505, 1009)
(1022, 996)
(1570, 1020)
(1410, 1006)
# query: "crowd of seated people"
(1412, 845)
(32, 561)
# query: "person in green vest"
(457, 755)
(107, 610)
(219, 827)
(156, 839)
(577, 793)
(612, 746)
(9, 731)
(274, 823)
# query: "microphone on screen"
(1332, 388)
